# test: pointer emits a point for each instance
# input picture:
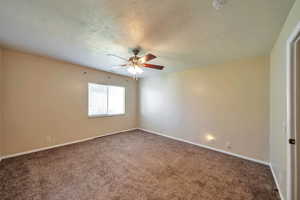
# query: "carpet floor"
(133, 165)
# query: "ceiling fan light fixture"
(134, 70)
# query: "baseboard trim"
(207, 147)
(149, 131)
(276, 182)
(64, 144)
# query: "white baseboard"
(207, 147)
(149, 131)
(276, 182)
(64, 144)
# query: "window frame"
(106, 115)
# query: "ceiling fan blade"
(117, 57)
(116, 68)
(119, 66)
(147, 57)
(159, 67)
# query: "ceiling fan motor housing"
(136, 51)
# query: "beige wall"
(45, 102)
(278, 136)
(228, 101)
(1, 107)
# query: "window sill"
(100, 116)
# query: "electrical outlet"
(228, 145)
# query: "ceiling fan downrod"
(136, 51)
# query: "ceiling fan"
(134, 64)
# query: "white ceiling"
(182, 33)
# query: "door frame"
(291, 121)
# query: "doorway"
(298, 120)
(293, 115)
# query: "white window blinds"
(105, 100)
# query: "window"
(106, 100)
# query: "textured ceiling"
(182, 34)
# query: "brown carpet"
(133, 165)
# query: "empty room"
(149, 100)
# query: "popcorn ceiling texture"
(133, 165)
(182, 33)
